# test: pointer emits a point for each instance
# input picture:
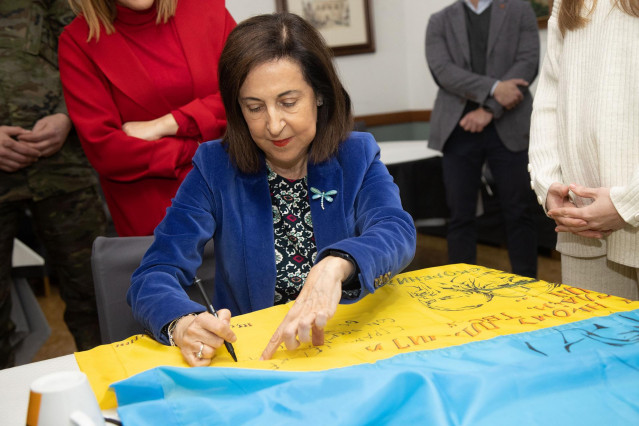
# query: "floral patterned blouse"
(295, 248)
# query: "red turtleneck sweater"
(142, 71)
(158, 48)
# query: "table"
(25, 257)
(15, 383)
(394, 152)
(530, 352)
(26, 313)
(417, 171)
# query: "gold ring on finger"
(199, 354)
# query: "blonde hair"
(571, 17)
(103, 12)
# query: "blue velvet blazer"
(216, 200)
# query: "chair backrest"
(114, 259)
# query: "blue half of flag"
(584, 373)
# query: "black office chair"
(114, 259)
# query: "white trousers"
(601, 275)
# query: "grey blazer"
(513, 52)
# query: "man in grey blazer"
(483, 54)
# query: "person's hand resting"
(596, 220)
(48, 134)
(15, 155)
(315, 305)
(153, 129)
(558, 196)
(476, 120)
(507, 92)
(205, 331)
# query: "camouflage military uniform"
(60, 190)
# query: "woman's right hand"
(597, 219)
(315, 305)
(205, 332)
(558, 196)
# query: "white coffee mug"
(61, 399)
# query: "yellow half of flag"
(419, 310)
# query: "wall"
(395, 77)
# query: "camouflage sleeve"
(61, 108)
(59, 16)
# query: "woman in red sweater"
(140, 82)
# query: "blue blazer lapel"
(259, 244)
(458, 23)
(498, 12)
(329, 224)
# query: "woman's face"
(136, 4)
(280, 109)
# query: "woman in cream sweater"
(584, 142)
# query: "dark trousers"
(464, 156)
(66, 224)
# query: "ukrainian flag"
(452, 345)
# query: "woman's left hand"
(312, 309)
(153, 129)
(600, 217)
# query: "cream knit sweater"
(585, 122)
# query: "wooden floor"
(431, 251)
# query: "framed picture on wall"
(346, 25)
(543, 9)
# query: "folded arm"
(447, 74)
(157, 294)
(113, 153)
(523, 71)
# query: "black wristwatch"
(351, 282)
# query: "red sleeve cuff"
(187, 127)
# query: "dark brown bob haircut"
(266, 38)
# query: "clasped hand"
(304, 322)
(19, 147)
(476, 120)
(595, 220)
(507, 92)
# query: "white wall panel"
(395, 77)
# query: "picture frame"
(346, 25)
(543, 9)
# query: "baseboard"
(395, 117)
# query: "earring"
(320, 102)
